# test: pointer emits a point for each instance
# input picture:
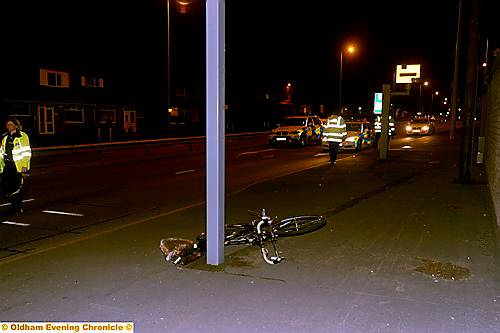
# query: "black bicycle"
(261, 231)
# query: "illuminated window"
(91, 81)
(45, 115)
(53, 78)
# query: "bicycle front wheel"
(298, 225)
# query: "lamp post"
(350, 49)
(432, 101)
(420, 104)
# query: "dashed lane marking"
(255, 152)
(185, 171)
(16, 223)
(61, 213)
(8, 203)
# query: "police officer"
(15, 156)
(378, 130)
(335, 133)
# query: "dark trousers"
(376, 139)
(12, 186)
(333, 149)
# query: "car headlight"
(351, 139)
(408, 128)
(425, 128)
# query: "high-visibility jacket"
(21, 152)
(378, 125)
(335, 130)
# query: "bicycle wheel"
(298, 225)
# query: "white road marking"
(254, 152)
(61, 213)
(8, 203)
(407, 147)
(16, 223)
(321, 154)
(186, 171)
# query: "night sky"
(268, 43)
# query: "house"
(60, 106)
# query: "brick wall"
(492, 146)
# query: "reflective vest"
(21, 152)
(335, 130)
(378, 125)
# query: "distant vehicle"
(359, 136)
(420, 126)
(300, 130)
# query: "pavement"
(406, 249)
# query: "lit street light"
(350, 49)
(420, 104)
(432, 101)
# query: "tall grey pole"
(454, 91)
(384, 135)
(215, 158)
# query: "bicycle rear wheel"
(298, 225)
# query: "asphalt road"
(75, 196)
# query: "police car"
(299, 130)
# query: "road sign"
(407, 73)
(377, 105)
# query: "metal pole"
(169, 87)
(420, 99)
(340, 85)
(215, 158)
(384, 135)
(454, 91)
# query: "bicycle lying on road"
(261, 231)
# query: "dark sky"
(267, 42)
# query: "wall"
(492, 149)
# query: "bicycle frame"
(260, 231)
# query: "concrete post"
(384, 136)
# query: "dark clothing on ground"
(333, 148)
(376, 139)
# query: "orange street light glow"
(426, 83)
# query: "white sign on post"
(407, 73)
(377, 105)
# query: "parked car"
(359, 135)
(300, 130)
(420, 126)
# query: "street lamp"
(420, 104)
(350, 49)
(182, 7)
(432, 101)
